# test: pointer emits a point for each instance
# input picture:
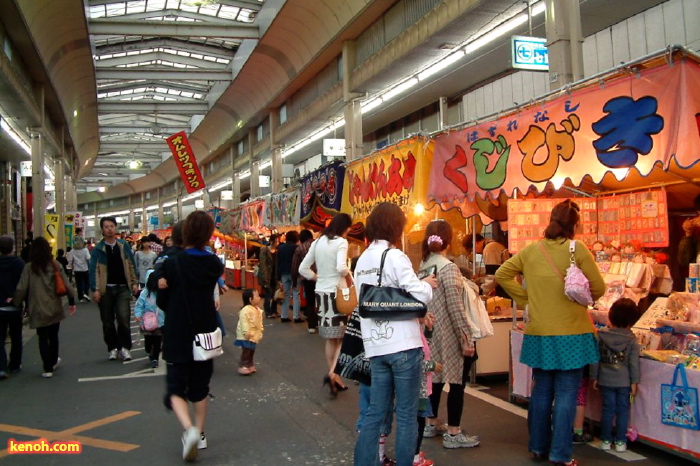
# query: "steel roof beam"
(248, 4)
(164, 129)
(143, 57)
(156, 74)
(134, 146)
(141, 106)
(179, 85)
(169, 43)
(218, 29)
(172, 12)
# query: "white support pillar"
(277, 182)
(442, 116)
(60, 201)
(144, 215)
(6, 227)
(236, 188)
(564, 42)
(354, 146)
(160, 211)
(254, 169)
(38, 203)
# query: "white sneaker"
(430, 431)
(606, 445)
(125, 354)
(202, 443)
(58, 363)
(190, 438)
(459, 441)
(620, 446)
(113, 354)
(47, 375)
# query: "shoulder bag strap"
(550, 261)
(381, 267)
(572, 250)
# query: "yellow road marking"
(69, 434)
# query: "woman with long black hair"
(37, 286)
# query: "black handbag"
(388, 303)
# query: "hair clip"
(434, 239)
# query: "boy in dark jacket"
(617, 374)
(11, 268)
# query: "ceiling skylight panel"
(186, 7)
(115, 9)
(210, 10)
(208, 58)
(154, 5)
(174, 4)
(136, 7)
(187, 94)
(98, 11)
(247, 16)
(228, 12)
(161, 89)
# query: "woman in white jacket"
(394, 347)
(330, 255)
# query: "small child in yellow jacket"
(249, 330)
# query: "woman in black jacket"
(191, 276)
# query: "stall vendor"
(493, 254)
(689, 247)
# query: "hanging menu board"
(638, 217)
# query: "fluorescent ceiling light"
(169, 204)
(371, 104)
(244, 175)
(15, 136)
(400, 89)
(441, 65)
(264, 165)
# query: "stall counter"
(646, 410)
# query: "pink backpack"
(149, 321)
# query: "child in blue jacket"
(147, 303)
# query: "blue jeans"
(115, 304)
(550, 425)
(616, 404)
(398, 375)
(287, 287)
(364, 409)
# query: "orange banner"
(397, 174)
(638, 121)
(186, 162)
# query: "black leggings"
(455, 398)
(421, 426)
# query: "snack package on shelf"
(684, 307)
(614, 291)
(664, 355)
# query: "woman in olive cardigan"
(559, 340)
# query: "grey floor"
(279, 416)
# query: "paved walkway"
(279, 416)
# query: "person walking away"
(189, 279)
(249, 330)
(113, 282)
(267, 274)
(156, 244)
(145, 258)
(617, 374)
(558, 339)
(61, 259)
(37, 287)
(394, 347)
(330, 255)
(147, 303)
(81, 267)
(308, 287)
(285, 255)
(11, 268)
(451, 343)
(69, 264)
